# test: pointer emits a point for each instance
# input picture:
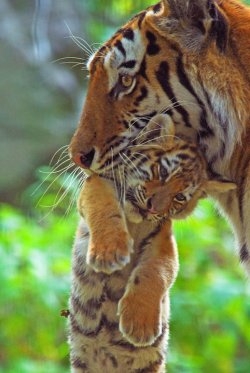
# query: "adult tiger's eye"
(126, 80)
(180, 197)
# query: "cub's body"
(97, 345)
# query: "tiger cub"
(130, 237)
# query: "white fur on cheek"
(90, 60)
(135, 50)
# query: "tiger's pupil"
(126, 80)
(180, 197)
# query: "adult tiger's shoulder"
(189, 59)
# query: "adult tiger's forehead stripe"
(125, 55)
(142, 96)
(184, 80)
(163, 77)
(152, 48)
(120, 47)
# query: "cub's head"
(144, 70)
(167, 177)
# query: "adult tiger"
(191, 60)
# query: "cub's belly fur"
(95, 340)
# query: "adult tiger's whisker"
(68, 181)
(76, 191)
(134, 166)
(55, 170)
(112, 167)
(64, 147)
(50, 185)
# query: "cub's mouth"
(146, 212)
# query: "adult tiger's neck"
(238, 16)
(225, 76)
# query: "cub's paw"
(110, 254)
(140, 323)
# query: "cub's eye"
(180, 197)
(126, 80)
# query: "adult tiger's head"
(169, 58)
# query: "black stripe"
(219, 27)
(77, 363)
(120, 47)
(128, 33)
(112, 295)
(126, 345)
(142, 70)
(152, 48)
(244, 254)
(216, 115)
(79, 307)
(147, 239)
(211, 164)
(143, 95)
(114, 142)
(222, 150)
(206, 132)
(241, 186)
(113, 360)
(111, 160)
(151, 367)
(183, 78)
(104, 323)
(162, 75)
(125, 123)
(129, 64)
(159, 340)
(147, 115)
(138, 125)
(184, 156)
(141, 17)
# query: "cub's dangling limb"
(110, 243)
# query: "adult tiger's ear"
(193, 23)
(162, 130)
(218, 186)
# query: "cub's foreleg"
(140, 308)
(110, 243)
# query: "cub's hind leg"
(140, 308)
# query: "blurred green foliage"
(210, 300)
(210, 328)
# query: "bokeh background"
(42, 87)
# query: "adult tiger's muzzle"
(83, 160)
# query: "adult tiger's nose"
(84, 160)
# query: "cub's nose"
(84, 160)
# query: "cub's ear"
(193, 23)
(159, 131)
(215, 186)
